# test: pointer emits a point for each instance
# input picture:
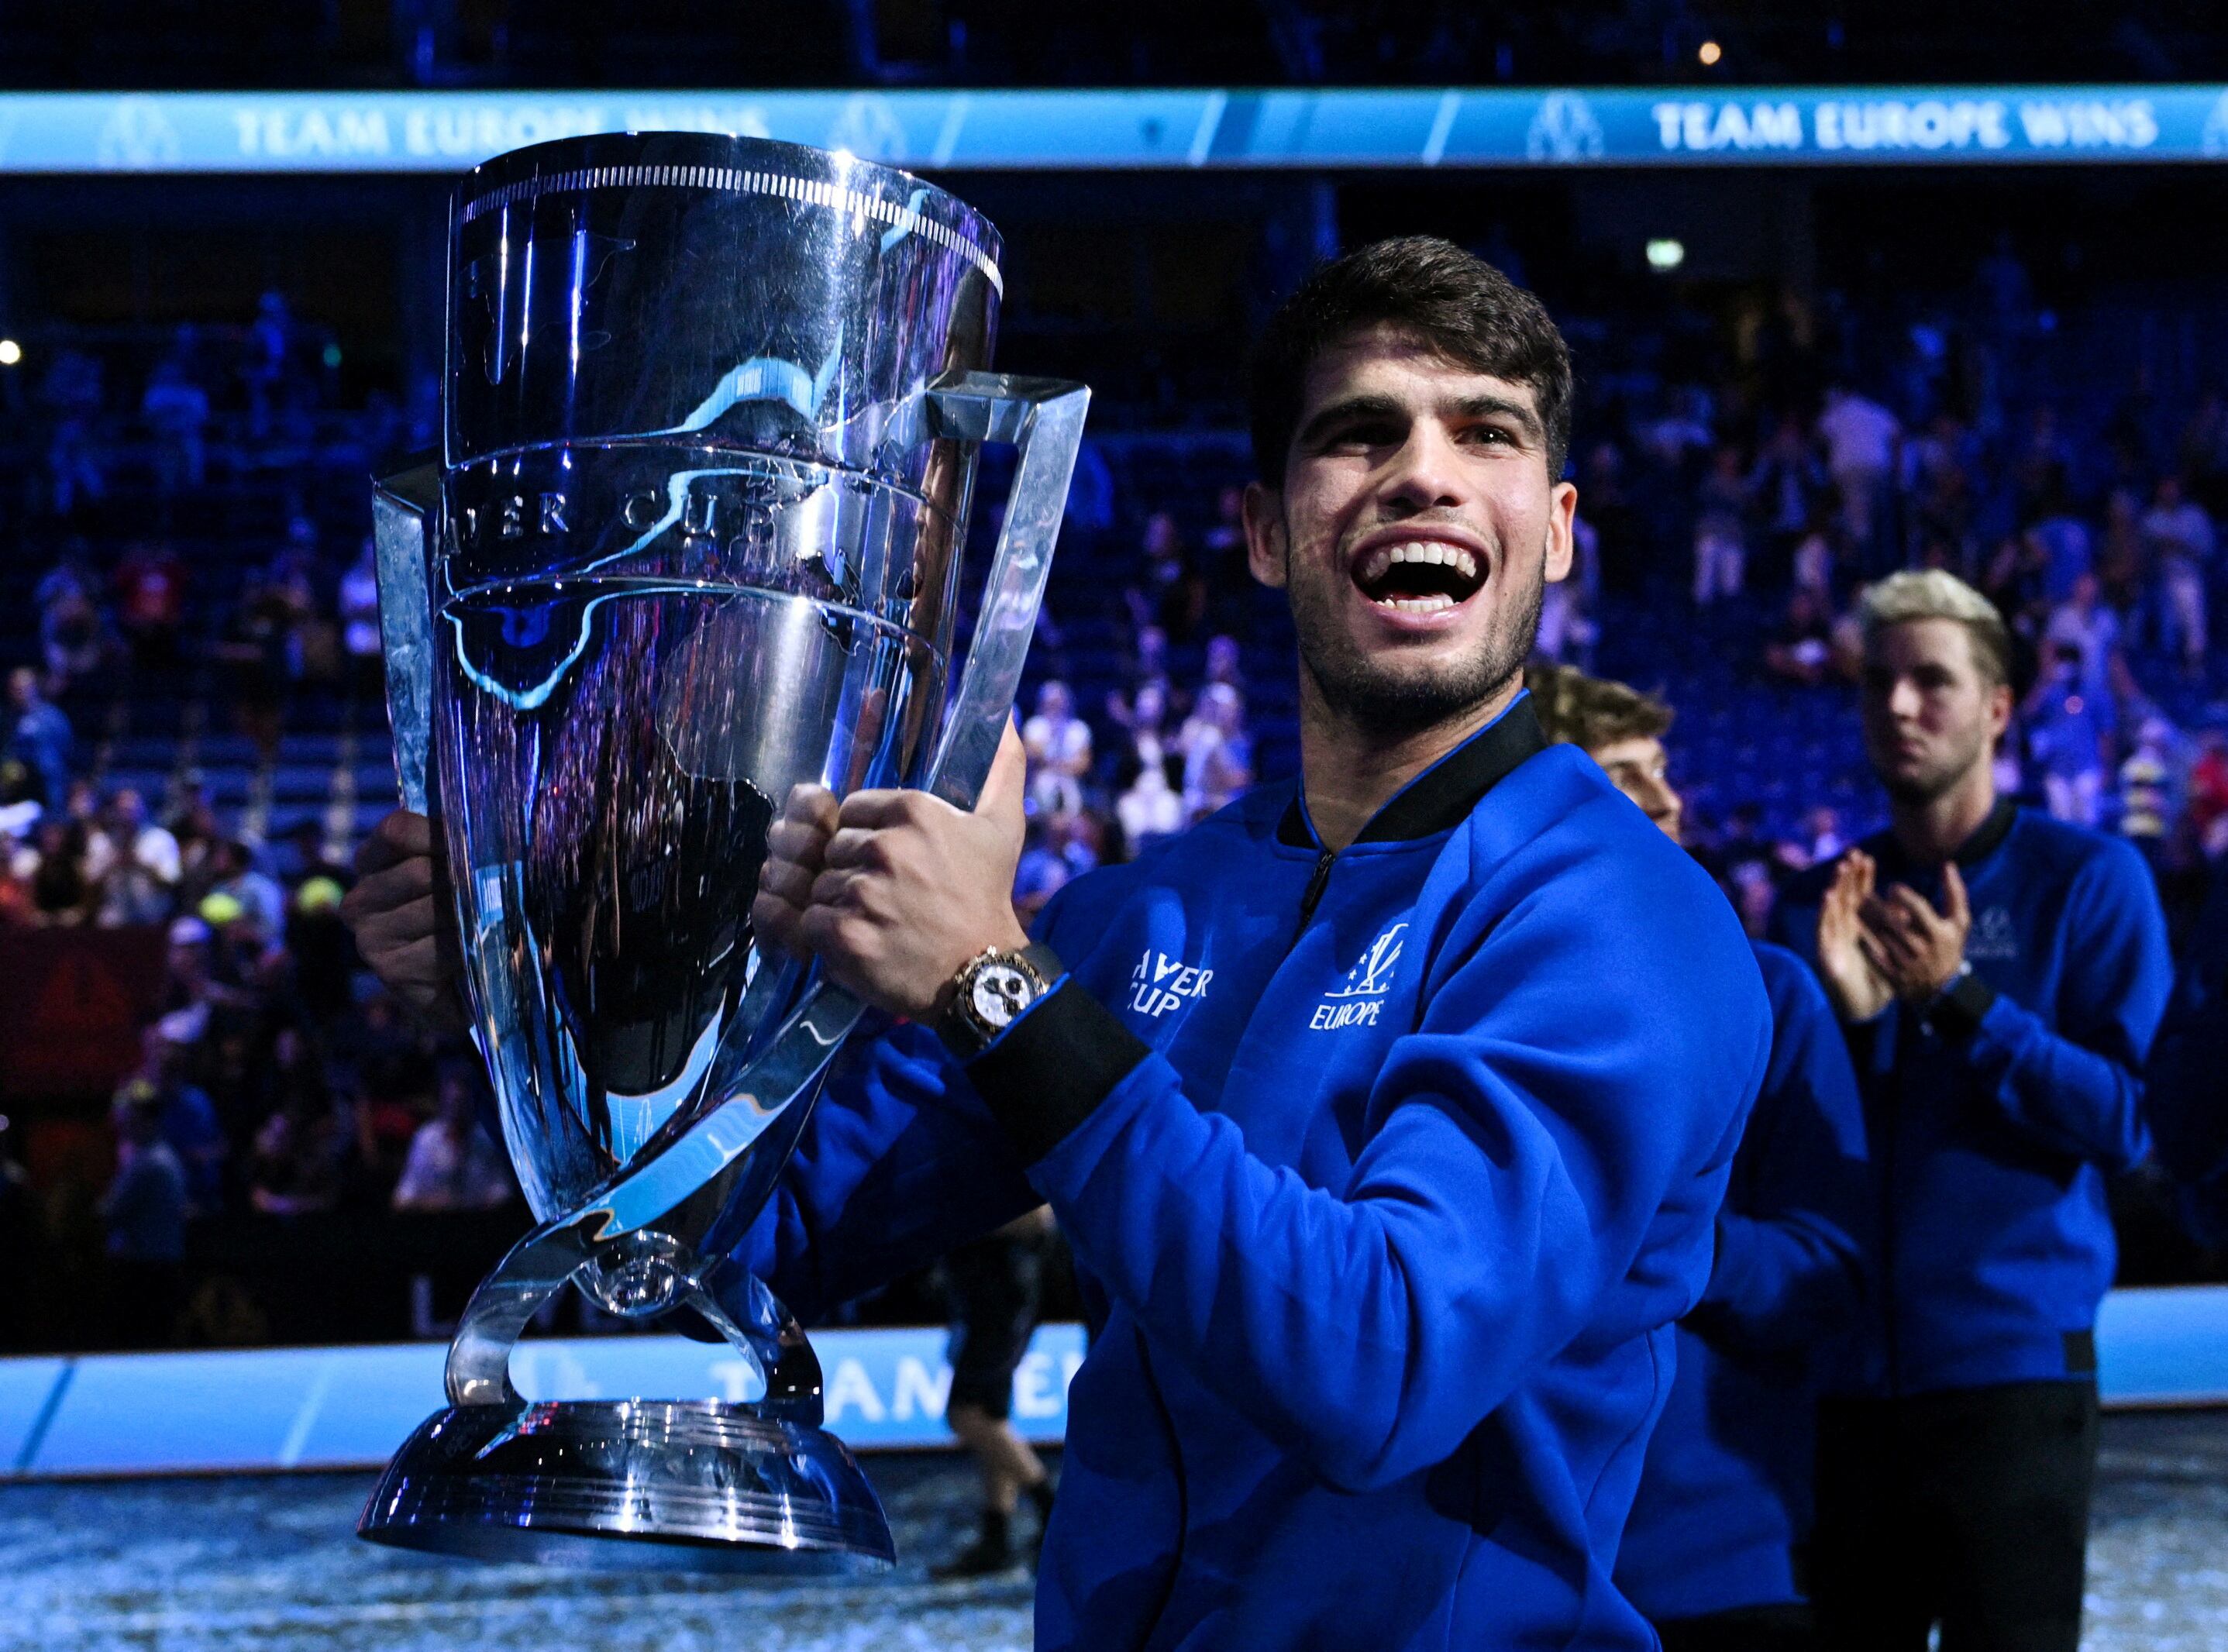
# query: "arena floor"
(268, 1564)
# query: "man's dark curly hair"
(1452, 301)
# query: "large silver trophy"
(711, 419)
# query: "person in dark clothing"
(996, 1288)
(145, 1210)
(1999, 976)
(1713, 1551)
(2187, 1085)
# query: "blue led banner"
(446, 131)
(350, 1407)
(258, 1409)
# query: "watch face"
(998, 993)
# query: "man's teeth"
(1378, 562)
(1432, 604)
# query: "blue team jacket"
(1725, 1494)
(1385, 1175)
(1992, 1128)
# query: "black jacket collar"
(1985, 839)
(1441, 797)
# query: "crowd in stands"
(1729, 515)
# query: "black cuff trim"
(1957, 1013)
(1051, 1068)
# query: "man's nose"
(1426, 473)
(1904, 700)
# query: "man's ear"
(1999, 711)
(1562, 511)
(1268, 544)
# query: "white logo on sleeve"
(1993, 936)
(1356, 1000)
(1160, 983)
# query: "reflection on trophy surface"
(712, 408)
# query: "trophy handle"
(404, 507)
(1044, 418)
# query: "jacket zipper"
(1313, 898)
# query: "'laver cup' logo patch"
(1160, 983)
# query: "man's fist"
(403, 923)
(894, 890)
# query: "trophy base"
(636, 1484)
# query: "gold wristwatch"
(990, 993)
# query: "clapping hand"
(1917, 950)
(1859, 987)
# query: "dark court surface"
(268, 1564)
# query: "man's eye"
(1364, 436)
(1491, 436)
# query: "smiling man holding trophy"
(1387, 1112)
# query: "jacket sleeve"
(897, 1164)
(2080, 1089)
(1789, 1267)
(1522, 1146)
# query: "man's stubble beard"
(1393, 704)
(1922, 789)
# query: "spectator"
(175, 411)
(1802, 650)
(2208, 793)
(1217, 755)
(61, 895)
(1043, 871)
(2083, 624)
(1148, 676)
(1784, 486)
(1720, 530)
(259, 896)
(2066, 739)
(1171, 594)
(72, 390)
(137, 865)
(452, 1164)
(2122, 560)
(1153, 807)
(1059, 744)
(1812, 564)
(2181, 537)
(73, 638)
(144, 1210)
(258, 647)
(2068, 551)
(36, 767)
(1860, 439)
(151, 597)
(359, 616)
(185, 1115)
(2147, 806)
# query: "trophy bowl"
(711, 415)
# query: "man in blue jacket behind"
(1387, 1114)
(1713, 1553)
(1999, 975)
